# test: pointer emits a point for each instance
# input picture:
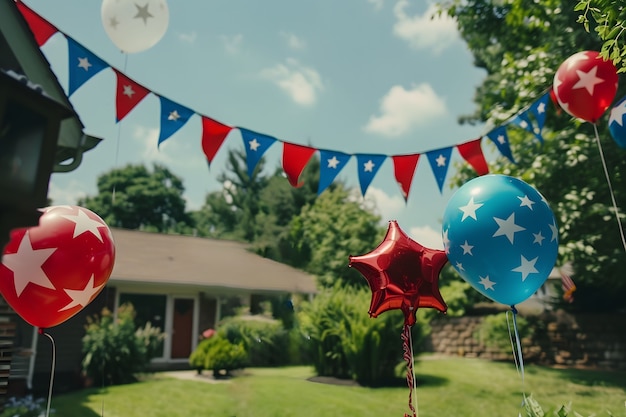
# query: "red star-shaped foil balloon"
(52, 271)
(402, 274)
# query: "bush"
(218, 354)
(265, 340)
(115, 350)
(346, 343)
(494, 331)
(25, 407)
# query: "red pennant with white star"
(52, 271)
(128, 95)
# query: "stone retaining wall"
(559, 338)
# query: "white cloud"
(387, 206)
(232, 43)
(422, 31)
(427, 236)
(188, 37)
(293, 41)
(378, 4)
(301, 83)
(402, 110)
(68, 195)
(149, 138)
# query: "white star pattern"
(459, 266)
(173, 116)
(538, 238)
(541, 108)
(82, 297)
(555, 232)
(501, 139)
(26, 265)
(84, 223)
(487, 283)
(84, 63)
(507, 227)
(254, 144)
(467, 248)
(368, 166)
(128, 91)
(588, 80)
(333, 162)
(617, 114)
(526, 202)
(469, 210)
(574, 59)
(143, 13)
(523, 124)
(441, 161)
(526, 268)
(446, 241)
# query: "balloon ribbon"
(54, 357)
(407, 347)
(516, 347)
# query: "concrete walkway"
(192, 375)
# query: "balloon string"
(516, 347)
(608, 181)
(119, 135)
(54, 359)
(407, 347)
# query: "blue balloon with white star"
(501, 236)
(617, 123)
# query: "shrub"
(265, 340)
(494, 331)
(218, 354)
(25, 407)
(115, 350)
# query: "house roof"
(152, 258)
(20, 53)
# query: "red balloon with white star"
(52, 271)
(585, 85)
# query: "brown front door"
(182, 329)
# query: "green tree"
(331, 229)
(521, 44)
(609, 21)
(132, 197)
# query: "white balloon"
(135, 25)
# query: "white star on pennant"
(487, 283)
(143, 13)
(173, 116)
(507, 227)
(467, 248)
(26, 265)
(128, 91)
(588, 80)
(332, 162)
(469, 210)
(538, 238)
(617, 114)
(84, 63)
(369, 166)
(523, 124)
(82, 297)
(501, 140)
(555, 232)
(527, 267)
(526, 202)
(84, 223)
(541, 108)
(441, 161)
(254, 144)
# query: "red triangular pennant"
(404, 168)
(473, 154)
(41, 28)
(295, 158)
(128, 95)
(213, 135)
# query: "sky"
(355, 76)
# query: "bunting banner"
(84, 64)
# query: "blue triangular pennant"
(500, 138)
(173, 117)
(439, 162)
(255, 144)
(331, 163)
(83, 65)
(539, 109)
(368, 165)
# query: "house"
(181, 284)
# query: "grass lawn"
(447, 388)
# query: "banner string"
(54, 359)
(516, 347)
(608, 181)
(119, 135)
(407, 347)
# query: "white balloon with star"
(135, 26)
(501, 236)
